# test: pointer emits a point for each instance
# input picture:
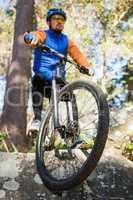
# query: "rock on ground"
(111, 180)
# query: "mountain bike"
(78, 114)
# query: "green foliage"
(108, 13)
(130, 65)
(6, 37)
(10, 12)
(130, 147)
(32, 149)
(3, 136)
(128, 37)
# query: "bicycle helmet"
(54, 11)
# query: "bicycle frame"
(54, 84)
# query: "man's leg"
(37, 96)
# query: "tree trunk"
(14, 115)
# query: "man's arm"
(77, 56)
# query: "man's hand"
(88, 71)
(31, 39)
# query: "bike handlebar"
(82, 69)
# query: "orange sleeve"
(40, 34)
(76, 54)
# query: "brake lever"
(88, 71)
(83, 70)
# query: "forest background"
(102, 29)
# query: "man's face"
(57, 22)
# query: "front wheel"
(83, 145)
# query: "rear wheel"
(67, 165)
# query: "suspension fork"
(69, 111)
(55, 102)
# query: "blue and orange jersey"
(44, 62)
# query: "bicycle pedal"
(63, 154)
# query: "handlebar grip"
(88, 71)
(83, 70)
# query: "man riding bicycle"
(44, 62)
